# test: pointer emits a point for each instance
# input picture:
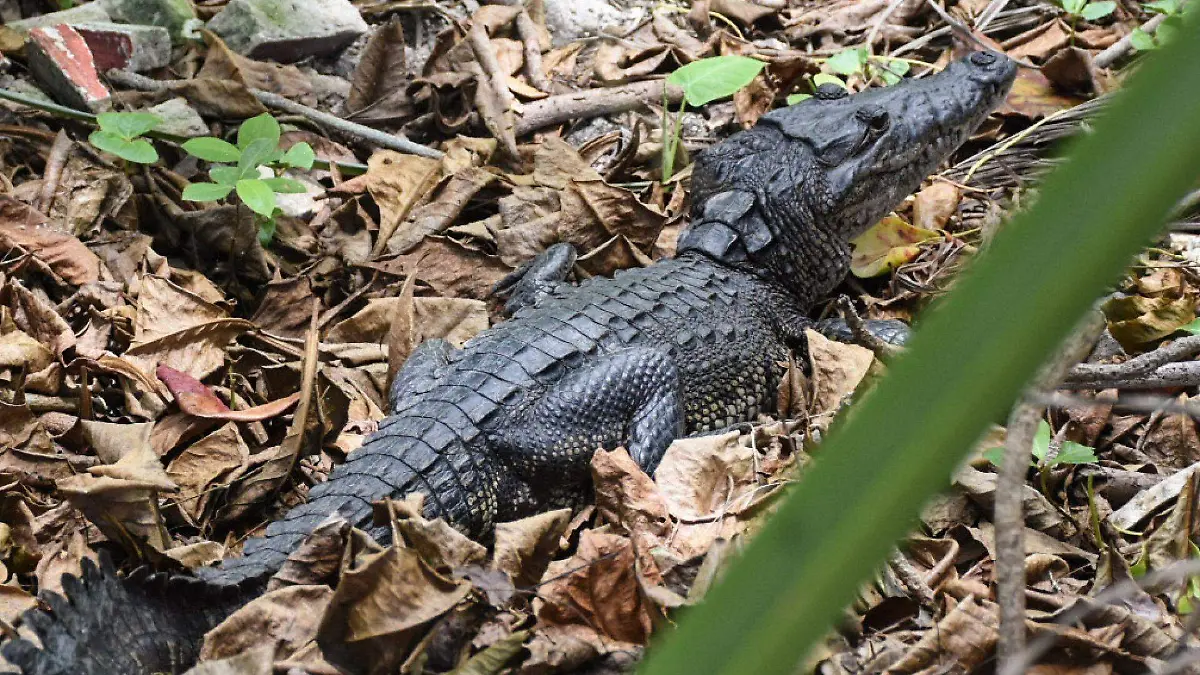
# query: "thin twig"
(352, 129)
(1179, 350)
(593, 103)
(1121, 47)
(884, 351)
(1007, 516)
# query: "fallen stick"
(592, 103)
(352, 129)
(1121, 47)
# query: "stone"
(568, 20)
(60, 61)
(288, 30)
(126, 46)
(169, 14)
(93, 11)
(179, 118)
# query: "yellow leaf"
(886, 246)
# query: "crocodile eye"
(878, 121)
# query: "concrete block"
(288, 30)
(127, 46)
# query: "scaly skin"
(506, 426)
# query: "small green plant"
(1173, 11)
(703, 81)
(120, 133)
(1069, 452)
(856, 61)
(1089, 11)
(249, 169)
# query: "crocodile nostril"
(983, 58)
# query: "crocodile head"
(786, 196)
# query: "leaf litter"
(170, 381)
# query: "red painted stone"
(61, 60)
(110, 49)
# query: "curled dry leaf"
(933, 206)
(523, 548)
(837, 370)
(317, 559)
(257, 661)
(24, 228)
(626, 496)
(441, 546)
(397, 182)
(206, 466)
(597, 587)
(285, 619)
(122, 498)
(381, 76)
(379, 606)
(194, 398)
(967, 635)
(18, 349)
(1135, 320)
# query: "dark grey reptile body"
(506, 426)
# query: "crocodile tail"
(426, 449)
(106, 625)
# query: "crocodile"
(505, 426)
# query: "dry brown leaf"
(453, 270)
(626, 496)
(24, 228)
(381, 74)
(837, 370)
(569, 648)
(933, 206)
(523, 548)
(441, 546)
(14, 602)
(1039, 43)
(257, 661)
(27, 452)
(1034, 97)
(597, 587)
(122, 498)
(966, 635)
(318, 558)
(1136, 321)
(455, 319)
(198, 400)
(221, 63)
(284, 309)
(18, 349)
(615, 254)
(615, 64)
(435, 216)
(1171, 440)
(397, 182)
(379, 605)
(206, 466)
(285, 619)
(889, 244)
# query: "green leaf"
(1098, 10)
(299, 156)
(825, 78)
(865, 488)
(1163, 6)
(212, 149)
(1141, 40)
(1041, 441)
(261, 127)
(225, 175)
(1073, 7)
(492, 660)
(128, 125)
(139, 151)
(266, 231)
(206, 192)
(994, 455)
(1074, 453)
(893, 70)
(793, 99)
(848, 61)
(1168, 29)
(285, 185)
(254, 155)
(716, 77)
(1193, 327)
(256, 194)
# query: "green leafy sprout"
(249, 169)
(856, 61)
(1172, 10)
(1069, 452)
(703, 81)
(120, 133)
(1088, 11)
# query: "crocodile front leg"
(630, 398)
(537, 278)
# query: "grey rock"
(288, 30)
(169, 14)
(179, 118)
(93, 11)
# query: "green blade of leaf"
(1163, 6)
(107, 141)
(262, 127)
(1098, 10)
(1041, 440)
(1141, 40)
(1073, 6)
(867, 484)
(266, 231)
(140, 151)
(212, 149)
(300, 156)
(206, 192)
(128, 125)
(825, 78)
(848, 61)
(225, 175)
(793, 99)
(254, 155)
(1075, 453)
(257, 195)
(716, 77)
(285, 185)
